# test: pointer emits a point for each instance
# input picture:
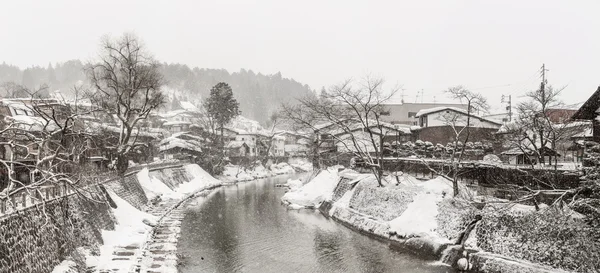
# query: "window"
(385, 113)
(412, 114)
(20, 112)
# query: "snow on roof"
(455, 109)
(176, 122)
(236, 130)
(115, 129)
(404, 129)
(178, 112)
(193, 143)
(439, 109)
(33, 123)
(188, 106)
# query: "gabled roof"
(439, 109)
(588, 110)
(455, 109)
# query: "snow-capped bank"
(302, 166)
(123, 246)
(236, 173)
(314, 192)
(153, 187)
(282, 168)
(202, 180)
(294, 184)
(129, 233)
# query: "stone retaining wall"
(37, 236)
(40, 237)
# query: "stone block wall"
(130, 190)
(40, 237)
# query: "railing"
(24, 198)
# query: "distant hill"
(259, 95)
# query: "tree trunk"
(122, 164)
(379, 176)
(222, 142)
(455, 178)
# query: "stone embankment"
(67, 230)
(114, 224)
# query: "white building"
(453, 116)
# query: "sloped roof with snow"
(176, 122)
(439, 109)
(455, 109)
(588, 110)
(176, 141)
(188, 106)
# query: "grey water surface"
(244, 228)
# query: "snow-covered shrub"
(384, 203)
(453, 217)
(552, 237)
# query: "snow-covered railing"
(24, 198)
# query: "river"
(244, 228)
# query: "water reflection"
(243, 228)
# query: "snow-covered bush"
(552, 237)
(384, 203)
(453, 217)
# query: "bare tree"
(461, 125)
(44, 141)
(13, 90)
(541, 127)
(126, 84)
(347, 108)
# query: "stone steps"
(161, 255)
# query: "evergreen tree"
(221, 106)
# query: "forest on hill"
(259, 95)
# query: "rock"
(149, 222)
(463, 264)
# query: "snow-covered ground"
(130, 231)
(134, 226)
(314, 192)
(235, 173)
(418, 218)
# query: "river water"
(244, 228)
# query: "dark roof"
(588, 110)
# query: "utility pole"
(543, 113)
(402, 96)
(543, 84)
(421, 95)
(509, 107)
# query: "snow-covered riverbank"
(123, 248)
(421, 216)
(235, 173)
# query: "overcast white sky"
(494, 47)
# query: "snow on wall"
(314, 192)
